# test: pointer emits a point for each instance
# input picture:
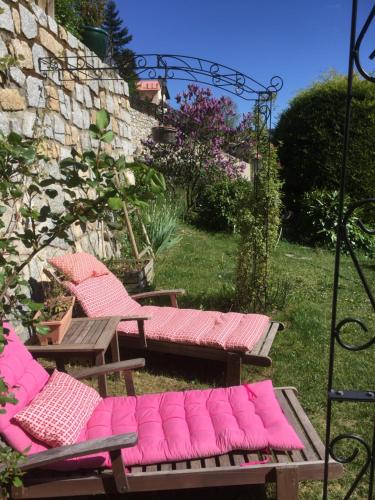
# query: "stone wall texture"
(60, 111)
(141, 129)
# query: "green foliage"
(318, 222)
(67, 13)
(92, 12)
(161, 222)
(218, 203)
(10, 474)
(258, 225)
(310, 133)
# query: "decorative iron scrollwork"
(343, 237)
(351, 457)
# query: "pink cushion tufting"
(57, 415)
(78, 267)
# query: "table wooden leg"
(287, 483)
(102, 380)
(115, 350)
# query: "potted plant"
(135, 274)
(93, 36)
(55, 315)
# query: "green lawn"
(204, 263)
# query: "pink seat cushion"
(78, 267)
(106, 296)
(191, 424)
(25, 378)
(57, 415)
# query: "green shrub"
(310, 134)
(218, 204)
(161, 222)
(67, 15)
(318, 222)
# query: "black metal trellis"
(166, 67)
(341, 395)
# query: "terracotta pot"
(57, 328)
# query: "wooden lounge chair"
(287, 469)
(233, 359)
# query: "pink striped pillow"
(60, 411)
(78, 267)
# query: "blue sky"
(299, 40)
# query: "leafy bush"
(318, 221)
(310, 133)
(67, 15)
(219, 203)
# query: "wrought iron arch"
(184, 68)
(362, 395)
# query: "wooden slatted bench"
(287, 469)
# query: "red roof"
(148, 85)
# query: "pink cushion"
(185, 425)
(78, 267)
(229, 331)
(104, 296)
(107, 296)
(25, 378)
(57, 415)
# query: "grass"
(204, 264)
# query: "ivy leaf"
(102, 119)
(115, 203)
(108, 136)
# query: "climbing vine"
(258, 224)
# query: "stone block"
(94, 86)
(53, 101)
(63, 35)
(29, 123)
(52, 25)
(72, 41)
(40, 14)
(17, 75)
(79, 93)
(12, 100)
(28, 23)
(65, 106)
(86, 119)
(77, 114)
(110, 106)
(4, 123)
(3, 49)
(50, 43)
(87, 95)
(37, 53)
(17, 21)
(97, 102)
(59, 128)
(6, 19)
(15, 124)
(21, 48)
(68, 84)
(35, 92)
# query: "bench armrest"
(161, 293)
(78, 450)
(120, 366)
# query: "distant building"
(151, 91)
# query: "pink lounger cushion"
(106, 296)
(79, 266)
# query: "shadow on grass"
(180, 367)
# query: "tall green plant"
(258, 225)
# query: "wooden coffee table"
(86, 338)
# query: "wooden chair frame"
(258, 356)
(284, 468)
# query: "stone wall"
(141, 129)
(58, 112)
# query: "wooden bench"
(287, 469)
